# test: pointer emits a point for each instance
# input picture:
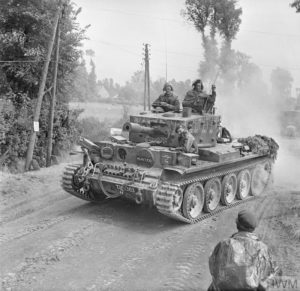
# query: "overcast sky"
(269, 33)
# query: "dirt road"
(50, 240)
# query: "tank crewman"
(167, 101)
(223, 135)
(242, 262)
(187, 142)
(198, 100)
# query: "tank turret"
(160, 128)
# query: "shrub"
(16, 122)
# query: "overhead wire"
(122, 46)
(178, 21)
(21, 61)
(183, 53)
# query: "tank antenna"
(146, 77)
(166, 49)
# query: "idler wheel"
(212, 192)
(243, 186)
(78, 179)
(229, 188)
(177, 199)
(193, 201)
(260, 178)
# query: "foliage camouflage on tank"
(148, 165)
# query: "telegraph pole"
(53, 99)
(145, 85)
(41, 93)
(146, 78)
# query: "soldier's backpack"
(241, 262)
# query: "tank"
(147, 165)
(290, 118)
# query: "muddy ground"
(50, 240)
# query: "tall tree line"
(25, 28)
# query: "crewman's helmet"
(194, 84)
(167, 85)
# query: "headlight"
(107, 152)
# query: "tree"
(228, 19)
(202, 14)
(78, 86)
(92, 82)
(111, 87)
(212, 18)
(25, 28)
(296, 5)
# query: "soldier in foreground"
(198, 100)
(241, 262)
(167, 101)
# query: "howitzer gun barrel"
(135, 127)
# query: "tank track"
(67, 184)
(166, 192)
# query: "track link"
(166, 192)
(67, 183)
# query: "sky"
(269, 34)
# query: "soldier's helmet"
(197, 81)
(167, 85)
(246, 221)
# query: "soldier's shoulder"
(190, 92)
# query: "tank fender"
(172, 174)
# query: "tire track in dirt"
(187, 272)
(283, 245)
(41, 225)
(32, 207)
(26, 271)
(134, 262)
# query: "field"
(104, 111)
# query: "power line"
(178, 21)
(156, 50)
(272, 33)
(16, 61)
(139, 14)
(121, 46)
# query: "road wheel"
(260, 178)
(212, 192)
(243, 186)
(193, 201)
(229, 187)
